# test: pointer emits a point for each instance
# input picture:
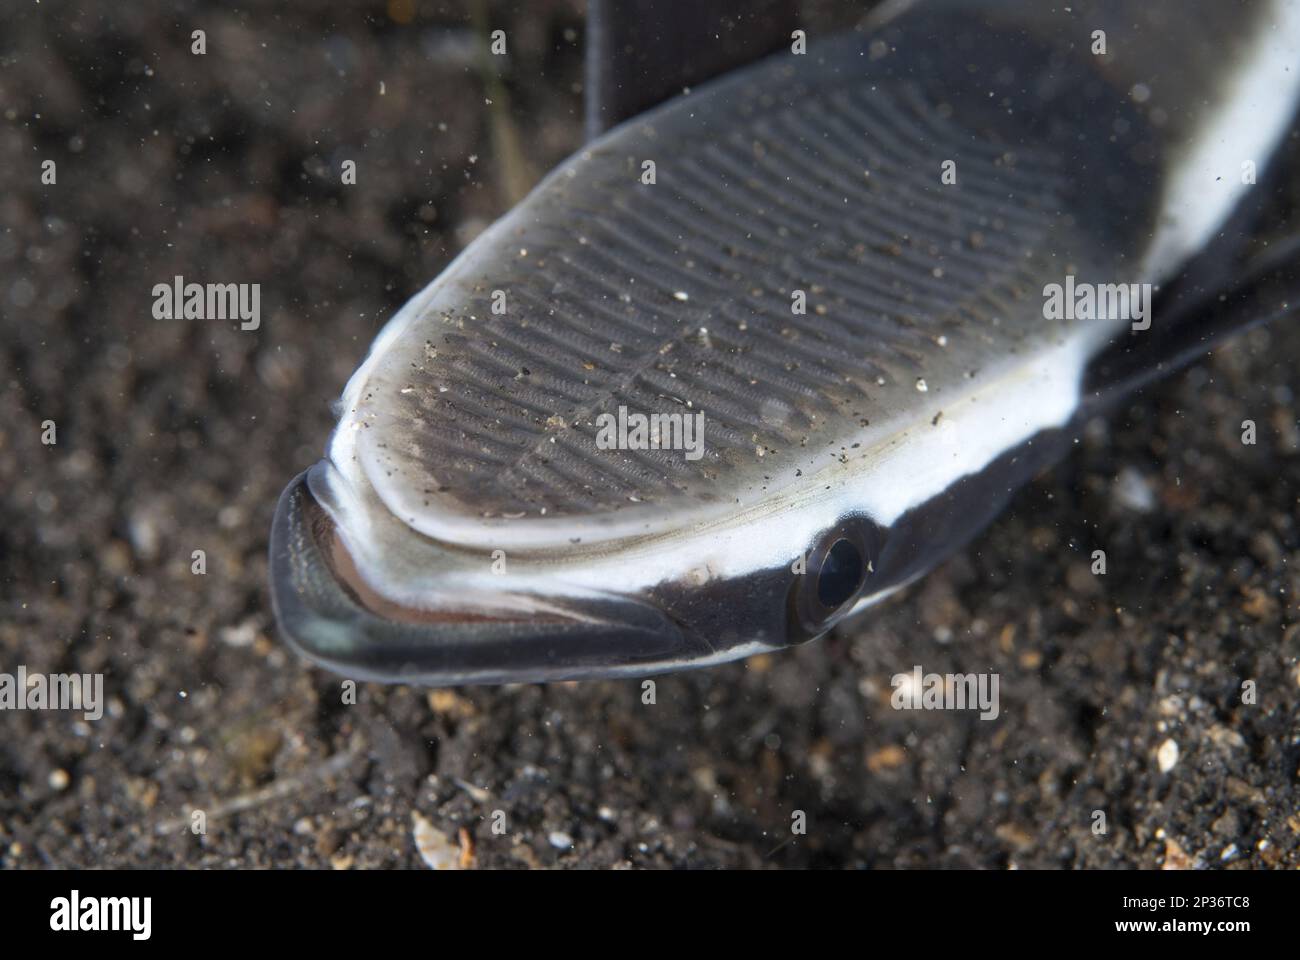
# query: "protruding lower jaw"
(336, 619)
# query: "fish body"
(885, 280)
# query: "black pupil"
(840, 574)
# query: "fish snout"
(337, 619)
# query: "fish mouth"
(332, 616)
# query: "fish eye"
(840, 575)
(833, 575)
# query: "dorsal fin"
(642, 52)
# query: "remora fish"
(466, 527)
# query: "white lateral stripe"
(1247, 125)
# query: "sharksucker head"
(835, 265)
